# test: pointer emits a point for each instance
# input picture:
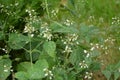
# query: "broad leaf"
(17, 41)
(37, 70)
(50, 48)
(21, 75)
(107, 74)
(5, 65)
(116, 75)
(57, 27)
(41, 64)
(23, 66)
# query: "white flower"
(5, 66)
(92, 48)
(45, 69)
(88, 55)
(32, 35)
(46, 74)
(5, 70)
(85, 51)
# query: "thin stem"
(30, 52)
(46, 4)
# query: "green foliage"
(112, 69)
(17, 41)
(5, 66)
(50, 48)
(57, 27)
(27, 70)
(59, 39)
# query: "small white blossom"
(16, 4)
(88, 55)
(6, 70)
(32, 35)
(92, 48)
(119, 69)
(91, 44)
(45, 69)
(85, 51)
(46, 74)
(5, 66)
(11, 70)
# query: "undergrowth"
(59, 40)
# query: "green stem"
(46, 4)
(30, 52)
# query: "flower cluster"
(54, 13)
(28, 28)
(30, 12)
(83, 64)
(33, 22)
(7, 68)
(87, 53)
(67, 49)
(88, 75)
(7, 9)
(68, 22)
(45, 32)
(48, 73)
(70, 40)
(91, 18)
(115, 20)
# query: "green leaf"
(71, 76)
(117, 65)
(1, 35)
(73, 58)
(57, 27)
(107, 74)
(37, 70)
(50, 48)
(17, 41)
(5, 65)
(95, 66)
(60, 74)
(35, 73)
(41, 64)
(84, 29)
(58, 78)
(116, 75)
(23, 66)
(95, 53)
(76, 56)
(21, 75)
